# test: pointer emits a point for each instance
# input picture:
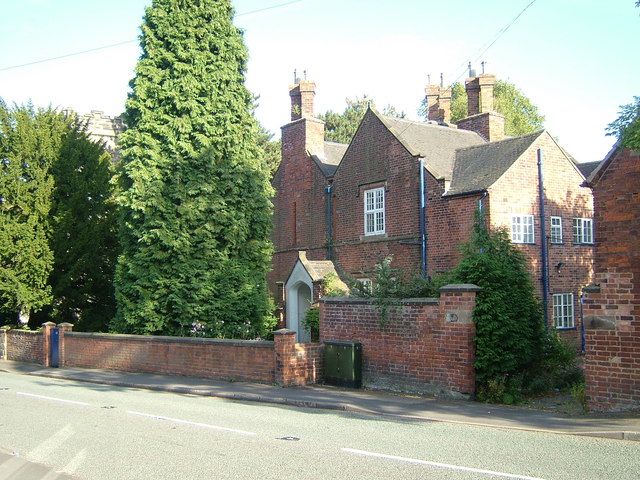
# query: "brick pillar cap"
(65, 324)
(284, 331)
(48, 324)
(460, 287)
(5, 327)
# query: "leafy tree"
(341, 127)
(271, 148)
(521, 115)
(627, 126)
(508, 317)
(195, 202)
(84, 236)
(29, 144)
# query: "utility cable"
(501, 32)
(105, 47)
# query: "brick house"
(612, 304)
(410, 189)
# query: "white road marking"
(32, 395)
(195, 424)
(45, 451)
(72, 467)
(438, 465)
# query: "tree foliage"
(521, 115)
(341, 127)
(508, 317)
(195, 201)
(271, 149)
(84, 233)
(627, 126)
(29, 144)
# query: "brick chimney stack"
(482, 118)
(480, 93)
(438, 101)
(302, 95)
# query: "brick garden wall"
(197, 357)
(426, 345)
(283, 360)
(297, 363)
(24, 346)
(612, 308)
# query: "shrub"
(508, 316)
(311, 322)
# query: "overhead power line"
(113, 45)
(501, 32)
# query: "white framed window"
(583, 230)
(366, 284)
(563, 310)
(374, 220)
(556, 229)
(522, 229)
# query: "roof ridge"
(429, 123)
(534, 135)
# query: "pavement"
(13, 467)
(410, 407)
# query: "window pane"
(577, 227)
(380, 198)
(515, 229)
(587, 229)
(369, 200)
(369, 222)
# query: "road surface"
(104, 432)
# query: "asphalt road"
(103, 432)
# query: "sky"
(577, 60)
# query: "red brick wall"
(516, 192)
(418, 349)
(299, 202)
(449, 224)
(25, 346)
(489, 124)
(297, 363)
(208, 358)
(612, 315)
(376, 158)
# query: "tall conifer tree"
(195, 201)
(84, 233)
(29, 144)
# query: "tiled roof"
(597, 172)
(477, 168)
(587, 167)
(333, 153)
(319, 269)
(437, 144)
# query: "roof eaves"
(600, 169)
(567, 155)
(463, 193)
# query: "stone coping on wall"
(369, 301)
(165, 339)
(20, 330)
(460, 287)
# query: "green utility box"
(343, 363)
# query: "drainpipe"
(423, 223)
(543, 243)
(481, 205)
(583, 334)
(327, 218)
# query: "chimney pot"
(302, 95)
